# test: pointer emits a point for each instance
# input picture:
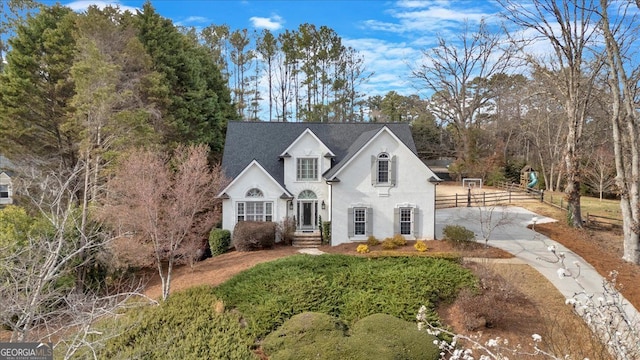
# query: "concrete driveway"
(507, 230)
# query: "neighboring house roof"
(6, 166)
(265, 142)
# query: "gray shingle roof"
(265, 141)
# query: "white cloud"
(83, 5)
(195, 19)
(389, 62)
(272, 23)
(416, 17)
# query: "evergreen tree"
(35, 88)
(199, 101)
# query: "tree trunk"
(627, 179)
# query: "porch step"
(307, 239)
(307, 243)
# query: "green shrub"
(320, 336)
(326, 232)
(389, 244)
(342, 286)
(254, 235)
(372, 241)
(459, 236)
(304, 329)
(399, 240)
(151, 333)
(219, 241)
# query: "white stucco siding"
(253, 177)
(412, 189)
(308, 146)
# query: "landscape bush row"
(196, 324)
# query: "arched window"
(254, 193)
(307, 194)
(383, 168)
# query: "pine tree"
(35, 88)
(200, 102)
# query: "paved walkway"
(529, 247)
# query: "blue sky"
(389, 34)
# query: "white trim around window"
(405, 220)
(307, 169)
(254, 211)
(383, 170)
(359, 221)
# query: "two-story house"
(365, 178)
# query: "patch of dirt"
(600, 247)
(533, 305)
(215, 271)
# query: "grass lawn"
(589, 205)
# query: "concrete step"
(307, 241)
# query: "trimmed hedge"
(379, 336)
(219, 241)
(254, 235)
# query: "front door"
(307, 214)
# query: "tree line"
(116, 121)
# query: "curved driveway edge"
(507, 226)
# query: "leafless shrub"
(254, 235)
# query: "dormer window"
(307, 169)
(383, 170)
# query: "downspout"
(435, 181)
(330, 212)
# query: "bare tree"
(456, 74)
(599, 174)
(567, 27)
(619, 35)
(39, 300)
(165, 202)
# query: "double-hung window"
(4, 191)
(307, 169)
(406, 221)
(359, 221)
